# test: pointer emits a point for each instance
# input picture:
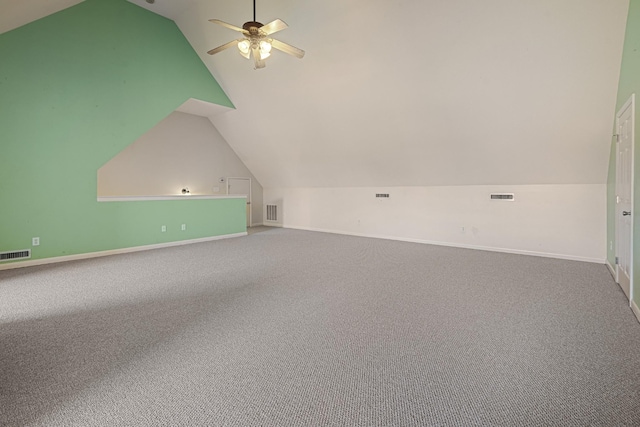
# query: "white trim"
(635, 309)
(631, 103)
(249, 202)
(612, 271)
(53, 260)
(633, 178)
(257, 224)
(456, 245)
(147, 198)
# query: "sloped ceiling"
(418, 92)
(15, 13)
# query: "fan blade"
(274, 27)
(256, 58)
(224, 46)
(229, 26)
(287, 48)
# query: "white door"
(241, 186)
(624, 195)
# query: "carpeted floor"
(294, 328)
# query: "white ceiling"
(15, 13)
(171, 9)
(417, 92)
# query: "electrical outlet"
(35, 241)
(184, 227)
(611, 245)
(163, 228)
(462, 229)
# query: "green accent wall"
(629, 84)
(76, 88)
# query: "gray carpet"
(293, 328)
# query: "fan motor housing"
(247, 26)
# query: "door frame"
(630, 104)
(250, 218)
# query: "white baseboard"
(635, 309)
(274, 224)
(257, 224)
(75, 257)
(456, 245)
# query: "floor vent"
(503, 196)
(272, 212)
(15, 255)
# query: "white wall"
(562, 221)
(183, 150)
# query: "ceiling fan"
(256, 41)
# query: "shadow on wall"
(181, 151)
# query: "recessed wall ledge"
(174, 197)
(202, 108)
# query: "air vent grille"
(383, 195)
(272, 212)
(510, 197)
(15, 255)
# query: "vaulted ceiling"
(411, 92)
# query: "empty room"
(335, 213)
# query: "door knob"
(625, 213)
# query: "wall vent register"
(383, 195)
(272, 212)
(503, 196)
(15, 255)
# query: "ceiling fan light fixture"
(265, 46)
(244, 46)
(257, 42)
(265, 49)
